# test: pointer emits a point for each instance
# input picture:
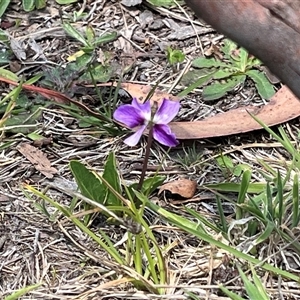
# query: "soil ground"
(35, 248)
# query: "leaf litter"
(37, 249)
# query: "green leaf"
(253, 188)
(66, 1)
(90, 34)
(99, 72)
(263, 85)
(89, 184)
(253, 291)
(16, 295)
(73, 32)
(163, 2)
(105, 38)
(217, 90)
(28, 5)
(243, 59)
(111, 175)
(266, 233)
(295, 210)
(191, 228)
(174, 56)
(8, 74)
(3, 6)
(203, 62)
(223, 73)
(242, 193)
(40, 4)
(228, 48)
(149, 185)
(204, 78)
(231, 294)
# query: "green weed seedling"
(220, 77)
(174, 57)
(228, 167)
(29, 5)
(85, 56)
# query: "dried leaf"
(37, 158)
(183, 187)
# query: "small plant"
(142, 261)
(219, 77)
(29, 5)
(84, 58)
(174, 56)
(228, 167)
(190, 156)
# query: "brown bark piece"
(283, 106)
(183, 187)
(37, 158)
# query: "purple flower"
(136, 114)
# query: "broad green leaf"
(105, 38)
(40, 4)
(8, 74)
(204, 78)
(174, 56)
(28, 5)
(243, 59)
(66, 1)
(224, 161)
(149, 185)
(100, 73)
(3, 6)
(89, 184)
(217, 90)
(263, 85)
(73, 32)
(223, 73)
(111, 175)
(228, 48)
(90, 34)
(203, 62)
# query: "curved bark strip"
(268, 29)
(283, 106)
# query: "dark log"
(268, 29)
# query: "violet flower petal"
(144, 108)
(166, 112)
(128, 115)
(134, 138)
(162, 133)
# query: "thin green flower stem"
(147, 154)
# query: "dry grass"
(35, 248)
